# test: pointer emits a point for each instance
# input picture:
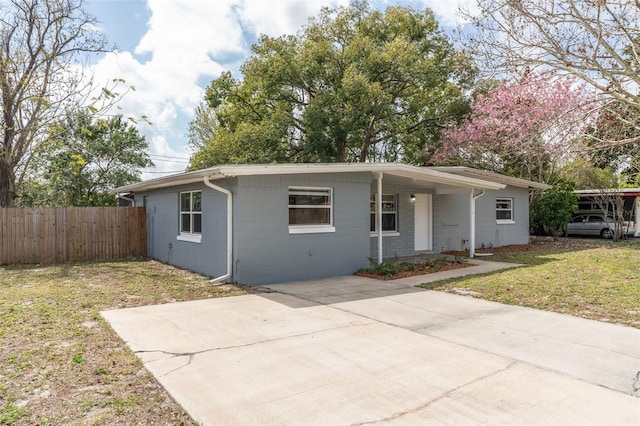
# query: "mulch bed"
(420, 269)
(537, 243)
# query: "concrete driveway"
(353, 351)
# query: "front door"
(423, 211)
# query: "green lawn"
(62, 363)
(587, 278)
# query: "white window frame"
(191, 235)
(372, 211)
(315, 228)
(510, 210)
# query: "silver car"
(596, 225)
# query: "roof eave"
(508, 180)
(402, 170)
(167, 181)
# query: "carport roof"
(626, 192)
(414, 174)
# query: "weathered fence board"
(43, 235)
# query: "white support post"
(472, 224)
(472, 221)
(378, 177)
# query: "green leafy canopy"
(555, 207)
(354, 85)
(84, 160)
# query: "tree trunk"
(366, 143)
(7, 185)
(340, 151)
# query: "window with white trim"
(504, 210)
(191, 215)
(310, 210)
(389, 213)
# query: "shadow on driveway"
(355, 351)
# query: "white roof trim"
(494, 177)
(395, 169)
(607, 191)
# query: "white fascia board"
(606, 191)
(434, 176)
(401, 170)
(493, 177)
(166, 181)
(291, 168)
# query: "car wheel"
(606, 233)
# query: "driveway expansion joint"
(192, 354)
(396, 416)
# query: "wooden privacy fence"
(44, 235)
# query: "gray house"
(259, 224)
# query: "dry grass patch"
(586, 278)
(63, 364)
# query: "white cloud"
(188, 43)
(275, 18)
(447, 10)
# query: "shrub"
(554, 209)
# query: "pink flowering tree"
(524, 129)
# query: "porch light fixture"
(413, 197)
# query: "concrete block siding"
(488, 232)
(265, 252)
(402, 244)
(451, 220)
(163, 222)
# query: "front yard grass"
(592, 279)
(63, 364)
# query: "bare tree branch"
(596, 41)
(41, 43)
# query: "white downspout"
(229, 195)
(472, 221)
(378, 177)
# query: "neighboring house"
(631, 196)
(259, 224)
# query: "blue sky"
(170, 50)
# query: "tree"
(616, 122)
(354, 85)
(85, 159)
(555, 207)
(40, 42)
(596, 41)
(520, 128)
(203, 127)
